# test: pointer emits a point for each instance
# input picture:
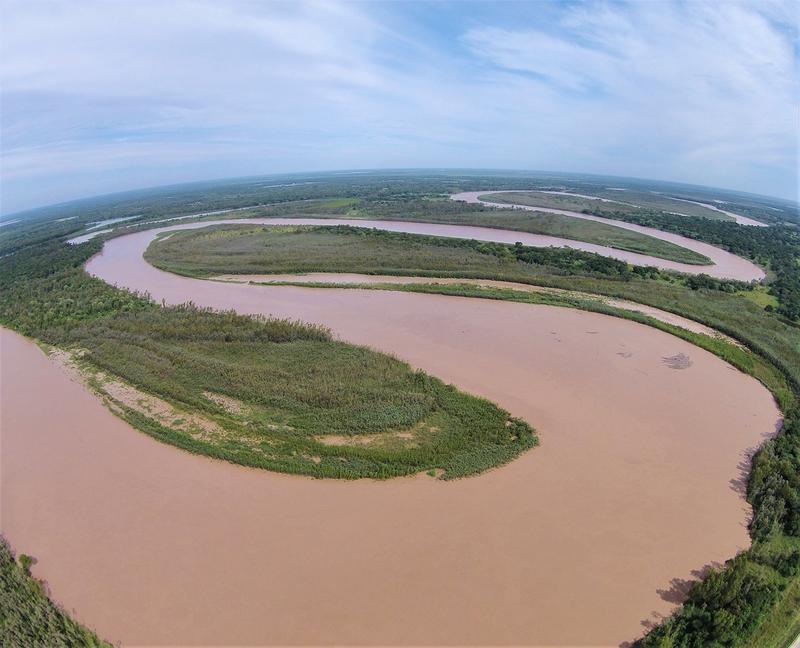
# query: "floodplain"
(668, 423)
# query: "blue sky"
(106, 96)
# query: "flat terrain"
(607, 234)
(270, 394)
(646, 442)
(629, 202)
(256, 250)
(725, 265)
(259, 249)
(275, 249)
(645, 422)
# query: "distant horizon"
(454, 171)
(122, 96)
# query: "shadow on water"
(739, 483)
(679, 588)
(675, 594)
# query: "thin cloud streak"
(102, 96)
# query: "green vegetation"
(781, 626)
(625, 201)
(261, 248)
(581, 230)
(458, 213)
(255, 249)
(27, 617)
(760, 297)
(752, 601)
(776, 247)
(742, 358)
(270, 394)
(723, 609)
(259, 392)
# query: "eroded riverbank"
(635, 484)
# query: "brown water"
(635, 484)
(726, 265)
(741, 220)
(355, 278)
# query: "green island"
(207, 381)
(776, 247)
(629, 202)
(459, 213)
(259, 392)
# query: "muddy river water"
(725, 265)
(576, 543)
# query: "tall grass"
(294, 384)
(28, 618)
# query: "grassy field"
(28, 617)
(253, 249)
(563, 227)
(270, 394)
(450, 212)
(624, 201)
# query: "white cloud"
(94, 92)
(699, 83)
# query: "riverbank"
(726, 265)
(645, 423)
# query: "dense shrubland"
(776, 247)
(286, 375)
(44, 286)
(28, 617)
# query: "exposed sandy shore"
(726, 265)
(636, 483)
